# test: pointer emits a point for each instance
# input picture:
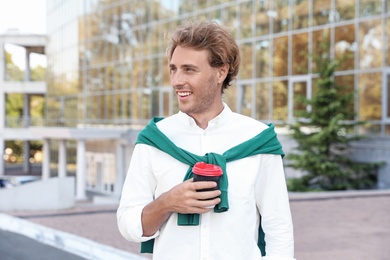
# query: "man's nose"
(177, 79)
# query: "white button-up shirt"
(256, 185)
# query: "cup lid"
(207, 169)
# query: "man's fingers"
(200, 185)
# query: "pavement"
(327, 225)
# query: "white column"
(2, 162)
(46, 159)
(81, 169)
(2, 107)
(27, 70)
(120, 169)
(26, 159)
(62, 159)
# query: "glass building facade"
(107, 64)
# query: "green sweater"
(264, 143)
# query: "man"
(157, 204)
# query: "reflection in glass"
(321, 46)
(230, 97)
(370, 44)
(246, 68)
(387, 36)
(280, 100)
(370, 8)
(345, 10)
(345, 47)
(388, 96)
(370, 96)
(263, 14)
(246, 100)
(262, 59)
(262, 101)
(300, 54)
(246, 17)
(280, 61)
(281, 21)
(322, 13)
(300, 14)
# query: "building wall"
(107, 63)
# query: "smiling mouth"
(184, 93)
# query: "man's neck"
(202, 120)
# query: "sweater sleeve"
(273, 204)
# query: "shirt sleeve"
(138, 191)
(273, 204)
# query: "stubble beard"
(203, 101)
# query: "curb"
(68, 242)
(327, 195)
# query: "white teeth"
(184, 94)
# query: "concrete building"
(107, 73)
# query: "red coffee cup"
(207, 172)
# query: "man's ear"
(222, 73)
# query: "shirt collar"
(215, 122)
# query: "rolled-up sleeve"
(138, 191)
(273, 204)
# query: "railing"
(21, 122)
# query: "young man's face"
(197, 85)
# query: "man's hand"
(183, 198)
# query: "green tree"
(38, 73)
(13, 72)
(324, 135)
(14, 108)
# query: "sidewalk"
(329, 225)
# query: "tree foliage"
(323, 137)
(14, 108)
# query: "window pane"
(387, 37)
(262, 101)
(230, 96)
(262, 17)
(262, 59)
(321, 12)
(300, 54)
(387, 131)
(321, 45)
(370, 96)
(345, 10)
(370, 45)
(281, 18)
(246, 16)
(280, 65)
(166, 104)
(231, 17)
(388, 96)
(246, 100)
(300, 93)
(370, 7)
(345, 47)
(280, 97)
(300, 14)
(246, 68)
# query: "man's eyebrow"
(184, 66)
